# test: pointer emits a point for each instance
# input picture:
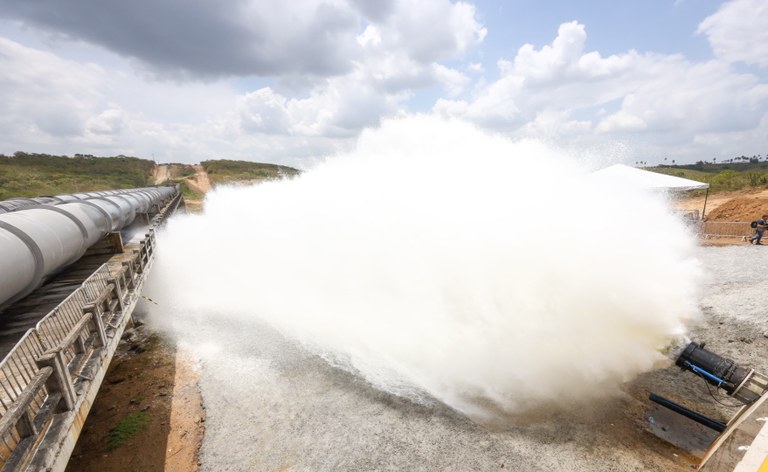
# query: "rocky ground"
(272, 406)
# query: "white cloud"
(562, 91)
(431, 30)
(264, 111)
(312, 38)
(650, 103)
(206, 39)
(41, 94)
(340, 108)
(338, 66)
(555, 61)
(739, 31)
(475, 67)
(621, 121)
(111, 121)
(453, 80)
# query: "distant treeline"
(30, 175)
(729, 175)
(224, 170)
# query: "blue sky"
(613, 27)
(291, 83)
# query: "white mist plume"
(438, 259)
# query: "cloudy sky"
(289, 82)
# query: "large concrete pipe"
(51, 239)
(19, 203)
(15, 204)
(37, 240)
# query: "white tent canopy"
(646, 179)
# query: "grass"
(721, 177)
(31, 175)
(180, 171)
(187, 191)
(128, 427)
(223, 171)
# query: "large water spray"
(439, 262)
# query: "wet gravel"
(271, 406)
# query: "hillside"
(721, 177)
(32, 175)
(194, 181)
(225, 171)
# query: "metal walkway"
(68, 330)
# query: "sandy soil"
(200, 184)
(187, 416)
(731, 206)
(161, 173)
(148, 376)
(202, 181)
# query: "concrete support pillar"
(142, 218)
(26, 425)
(101, 333)
(59, 381)
(118, 292)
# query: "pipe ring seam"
(37, 254)
(69, 215)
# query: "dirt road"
(161, 173)
(201, 181)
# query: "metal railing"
(38, 377)
(717, 229)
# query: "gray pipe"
(39, 237)
(15, 204)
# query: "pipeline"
(40, 236)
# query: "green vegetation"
(127, 427)
(723, 176)
(186, 191)
(222, 171)
(31, 175)
(180, 171)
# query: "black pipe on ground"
(688, 413)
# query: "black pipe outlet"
(725, 369)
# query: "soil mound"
(740, 209)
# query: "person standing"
(762, 223)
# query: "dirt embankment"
(194, 176)
(161, 173)
(745, 205)
(201, 181)
(742, 208)
(148, 415)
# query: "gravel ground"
(271, 406)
